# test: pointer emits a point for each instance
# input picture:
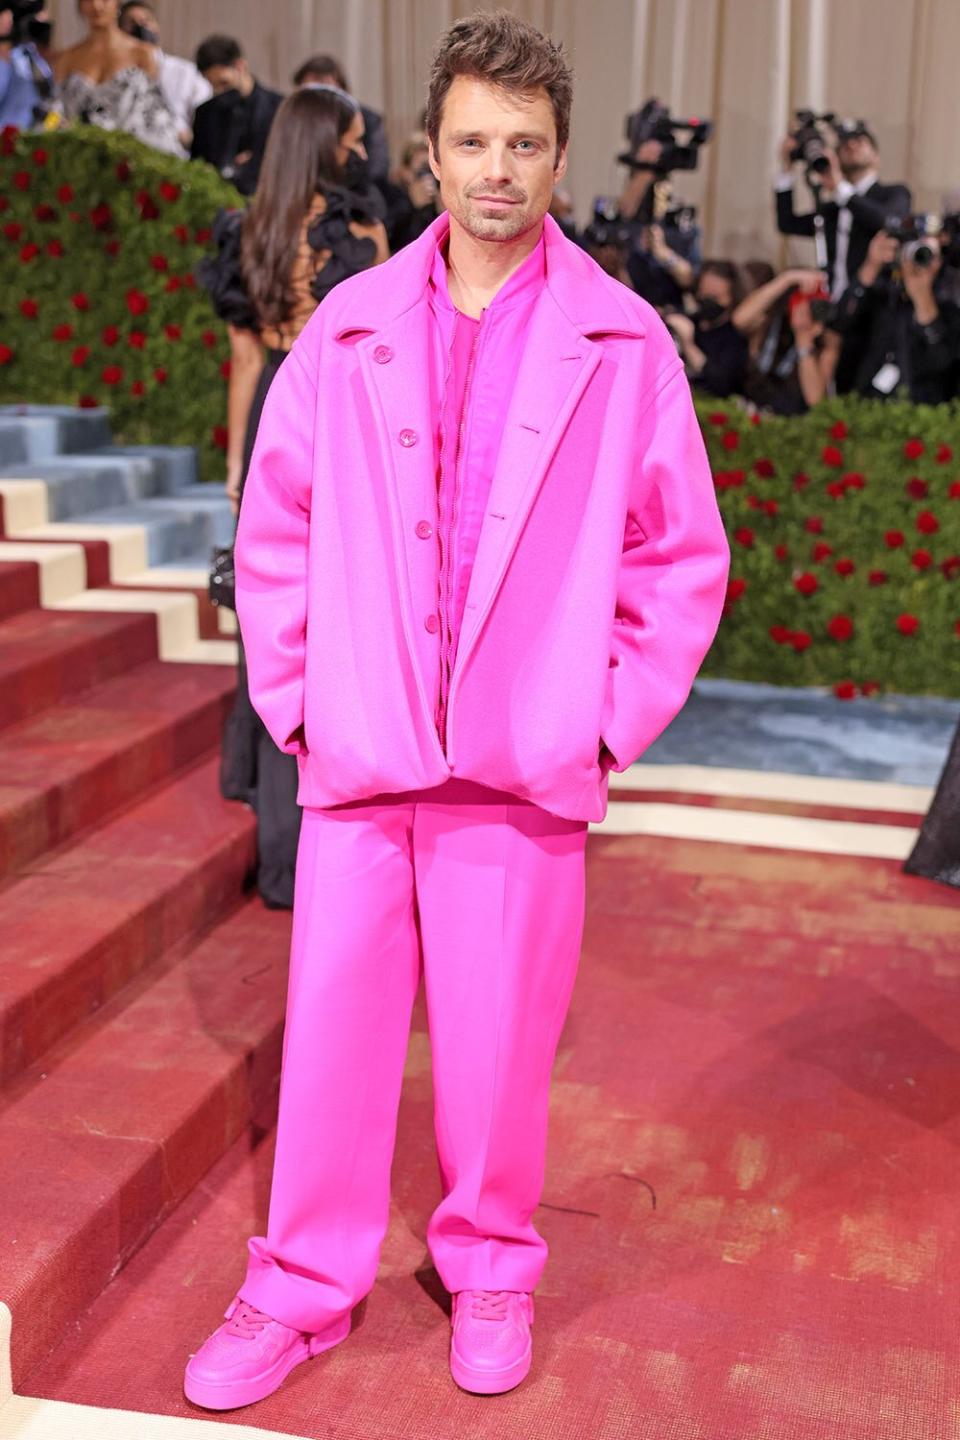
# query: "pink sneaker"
(491, 1348)
(251, 1356)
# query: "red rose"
(917, 488)
(744, 536)
(839, 431)
(29, 309)
(147, 205)
(845, 690)
(225, 369)
(764, 468)
(806, 583)
(209, 339)
(913, 449)
(111, 335)
(877, 577)
(921, 559)
(54, 249)
(159, 262)
(29, 252)
(801, 641)
(88, 402)
(735, 589)
(4, 204)
(172, 284)
(730, 440)
(22, 180)
(172, 332)
(160, 375)
(169, 191)
(893, 539)
(944, 455)
(754, 503)
(908, 624)
(122, 171)
(204, 235)
(840, 627)
(950, 566)
(821, 550)
(45, 213)
(80, 301)
(219, 436)
(137, 302)
(844, 567)
(136, 339)
(101, 216)
(870, 687)
(80, 356)
(836, 489)
(782, 552)
(853, 480)
(779, 634)
(189, 282)
(927, 523)
(13, 230)
(954, 491)
(113, 248)
(181, 233)
(830, 455)
(62, 332)
(6, 354)
(65, 194)
(39, 157)
(770, 507)
(813, 525)
(138, 388)
(717, 417)
(112, 374)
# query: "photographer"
(181, 83)
(714, 352)
(898, 322)
(851, 200)
(26, 80)
(663, 251)
(792, 355)
(412, 197)
(230, 131)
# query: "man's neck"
(477, 269)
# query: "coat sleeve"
(672, 581)
(270, 554)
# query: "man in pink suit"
(478, 565)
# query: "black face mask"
(356, 172)
(709, 311)
(144, 33)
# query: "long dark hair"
(300, 159)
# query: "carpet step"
(84, 920)
(128, 1116)
(47, 656)
(56, 429)
(69, 767)
(77, 484)
(19, 589)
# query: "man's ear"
(432, 161)
(560, 169)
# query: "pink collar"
(525, 281)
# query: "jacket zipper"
(438, 711)
(448, 579)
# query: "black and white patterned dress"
(128, 101)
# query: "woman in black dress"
(308, 227)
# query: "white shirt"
(843, 194)
(183, 87)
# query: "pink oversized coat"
(600, 573)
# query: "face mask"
(709, 310)
(144, 33)
(356, 174)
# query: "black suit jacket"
(868, 212)
(230, 124)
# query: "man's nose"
(498, 163)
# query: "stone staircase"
(141, 983)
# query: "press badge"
(887, 378)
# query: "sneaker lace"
(489, 1304)
(247, 1321)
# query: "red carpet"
(750, 1199)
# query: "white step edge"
(775, 785)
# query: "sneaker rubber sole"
(490, 1382)
(232, 1394)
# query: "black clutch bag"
(221, 586)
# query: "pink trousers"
(487, 892)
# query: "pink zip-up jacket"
(600, 571)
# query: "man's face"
(228, 77)
(715, 287)
(857, 155)
(140, 15)
(496, 159)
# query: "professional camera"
(681, 139)
(606, 225)
(811, 141)
(919, 236)
(681, 218)
(25, 27)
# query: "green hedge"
(99, 237)
(844, 529)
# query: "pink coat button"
(424, 529)
(432, 624)
(408, 437)
(383, 354)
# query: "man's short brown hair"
(505, 51)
